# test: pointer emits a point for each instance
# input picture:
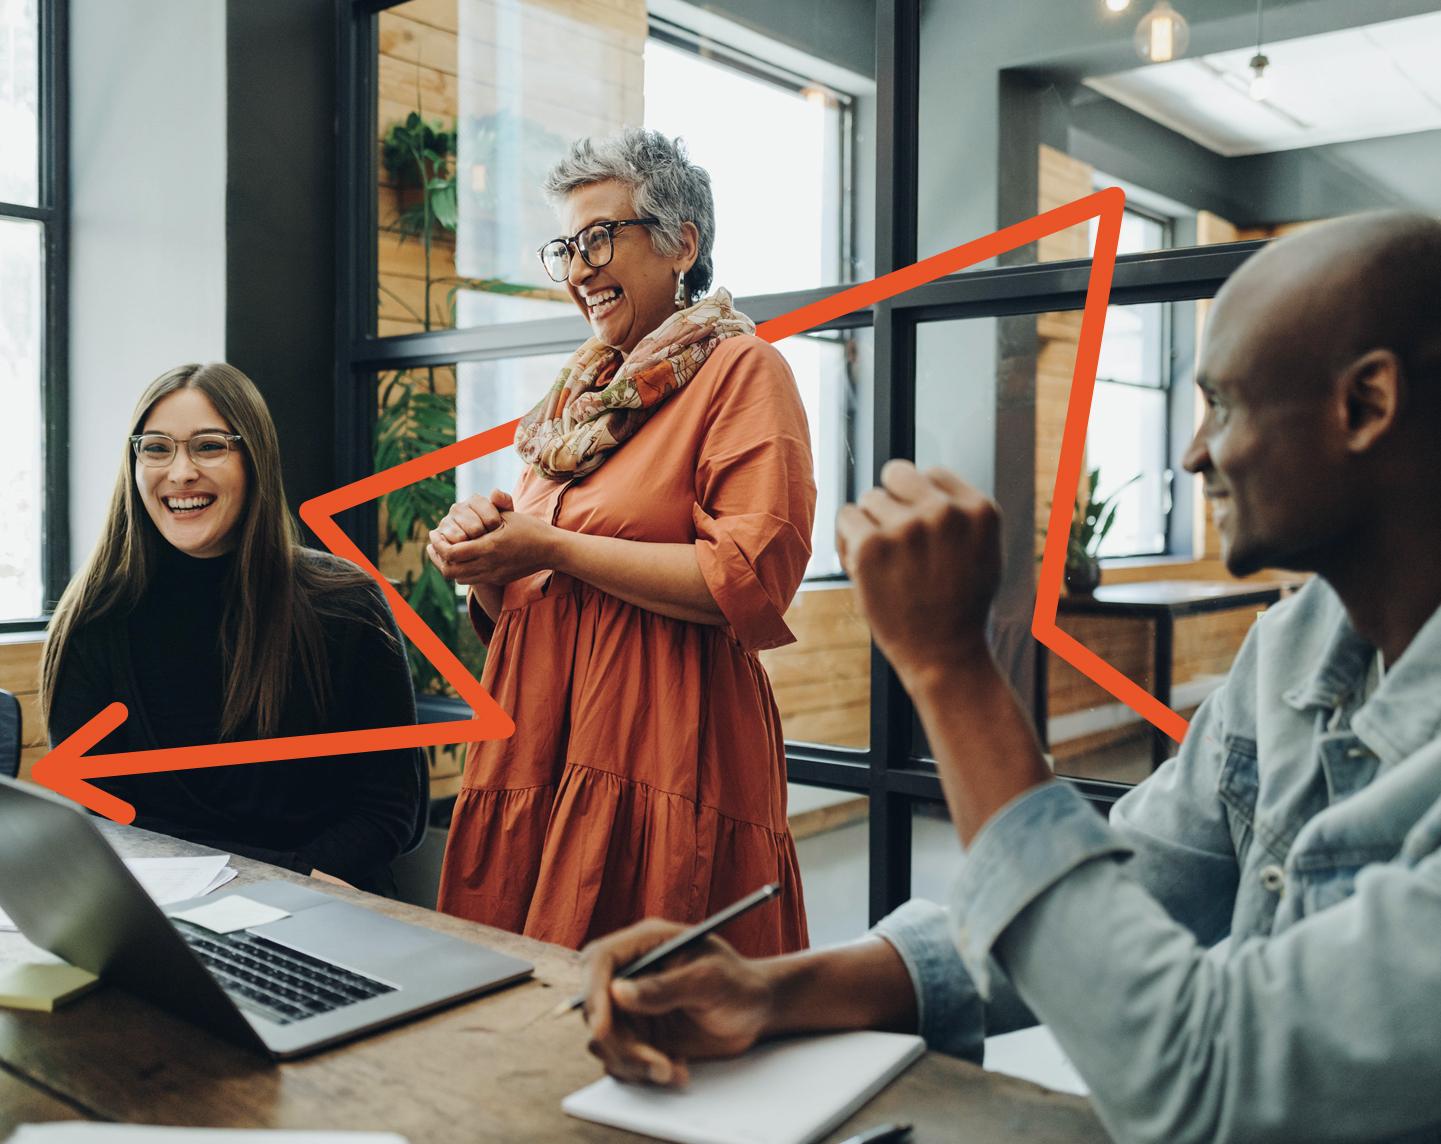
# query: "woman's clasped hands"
(483, 540)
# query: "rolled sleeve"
(755, 493)
(1028, 846)
(752, 564)
(950, 1014)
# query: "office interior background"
(340, 197)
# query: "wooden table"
(494, 1068)
(1163, 602)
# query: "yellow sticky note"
(43, 985)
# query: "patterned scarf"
(599, 401)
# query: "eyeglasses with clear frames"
(206, 449)
(596, 244)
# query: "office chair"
(422, 813)
(9, 735)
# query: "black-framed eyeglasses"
(208, 449)
(596, 244)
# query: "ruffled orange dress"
(647, 776)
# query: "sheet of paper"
(143, 1134)
(1034, 1055)
(230, 913)
(170, 880)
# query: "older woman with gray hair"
(649, 551)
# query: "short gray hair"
(664, 182)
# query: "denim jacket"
(1251, 949)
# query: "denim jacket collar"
(1404, 712)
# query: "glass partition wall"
(845, 147)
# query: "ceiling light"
(1118, 5)
(1260, 85)
(1162, 34)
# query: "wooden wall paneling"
(822, 681)
(20, 675)
(1063, 180)
(443, 14)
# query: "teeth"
(181, 503)
(596, 301)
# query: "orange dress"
(646, 776)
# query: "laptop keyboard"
(279, 984)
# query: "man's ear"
(1372, 388)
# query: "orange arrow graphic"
(68, 770)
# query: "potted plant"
(1093, 519)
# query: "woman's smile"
(195, 507)
(600, 304)
(189, 506)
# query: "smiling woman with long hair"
(202, 613)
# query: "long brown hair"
(276, 589)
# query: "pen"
(683, 940)
(880, 1134)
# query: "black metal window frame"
(53, 214)
(889, 772)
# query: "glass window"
(21, 429)
(490, 393)
(827, 368)
(473, 110)
(778, 192)
(19, 102)
(1129, 438)
(23, 283)
(832, 836)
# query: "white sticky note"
(231, 913)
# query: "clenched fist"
(924, 551)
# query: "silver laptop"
(328, 972)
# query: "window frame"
(893, 772)
(1166, 387)
(52, 212)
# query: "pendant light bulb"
(1260, 81)
(1260, 85)
(1118, 5)
(1162, 34)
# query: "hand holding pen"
(704, 1000)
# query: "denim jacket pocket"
(1321, 879)
(1237, 786)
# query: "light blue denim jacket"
(1251, 949)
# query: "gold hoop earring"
(680, 296)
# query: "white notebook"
(784, 1092)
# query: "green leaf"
(443, 204)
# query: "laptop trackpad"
(348, 936)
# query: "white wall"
(147, 263)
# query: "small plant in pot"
(1093, 519)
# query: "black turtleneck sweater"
(348, 816)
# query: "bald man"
(1251, 949)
